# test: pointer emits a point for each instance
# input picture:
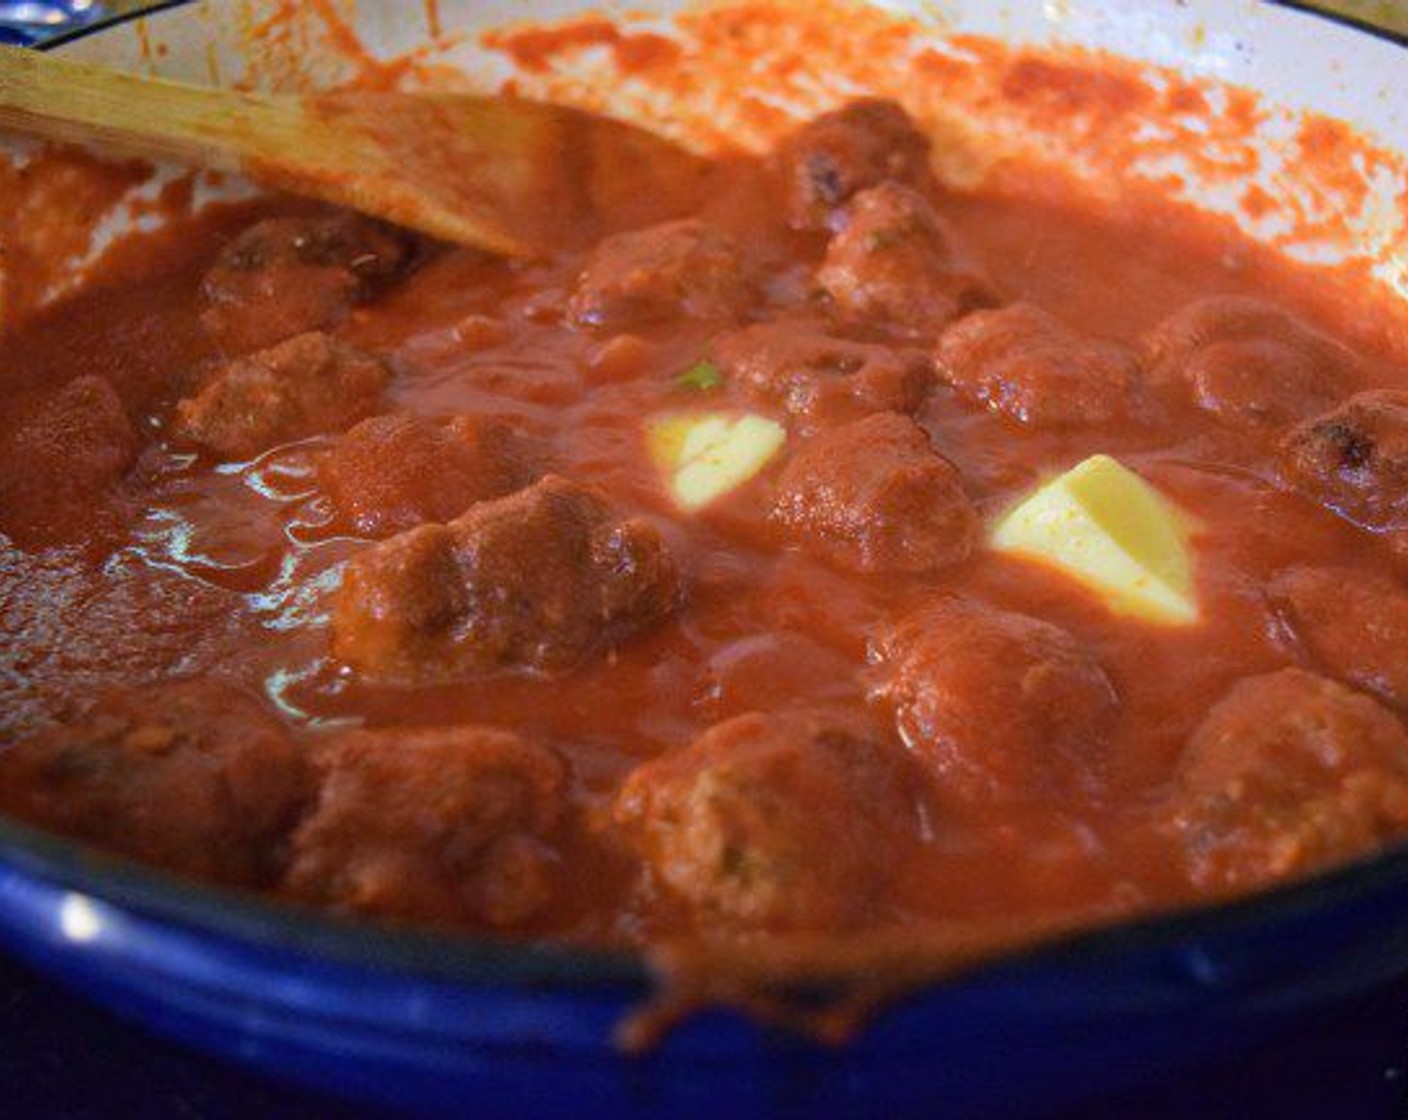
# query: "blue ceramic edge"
(1044, 1024)
(80, 25)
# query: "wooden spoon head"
(512, 176)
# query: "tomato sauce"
(186, 564)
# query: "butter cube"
(1103, 525)
(705, 455)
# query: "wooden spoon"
(507, 175)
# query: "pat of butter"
(1106, 527)
(705, 455)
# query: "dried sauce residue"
(1071, 89)
(306, 44)
(538, 50)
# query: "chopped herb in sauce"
(702, 376)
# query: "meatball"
(874, 496)
(285, 276)
(1000, 706)
(62, 454)
(391, 473)
(306, 386)
(678, 268)
(191, 776)
(537, 580)
(778, 821)
(435, 824)
(829, 159)
(1023, 362)
(1353, 624)
(1354, 459)
(895, 260)
(1247, 362)
(817, 375)
(1289, 772)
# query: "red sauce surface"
(227, 568)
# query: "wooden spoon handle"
(43, 95)
(351, 151)
(510, 176)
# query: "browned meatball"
(874, 496)
(62, 453)
(817, 375)
(284, 276)
(779, 821)
(1354, 459)
(999, 705)
(306, 386)
(678, 268)
(1025, 363)
(391, 473)
(190, 776)
(1288, 772)
(537, 580)
(1354, 624)
(1247, 362)
(827, 160)
(895, 260)
(434, 824)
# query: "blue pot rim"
(482, 960)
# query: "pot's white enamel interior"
(1297, 62)
(1295, 58)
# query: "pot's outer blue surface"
(438, 1026)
